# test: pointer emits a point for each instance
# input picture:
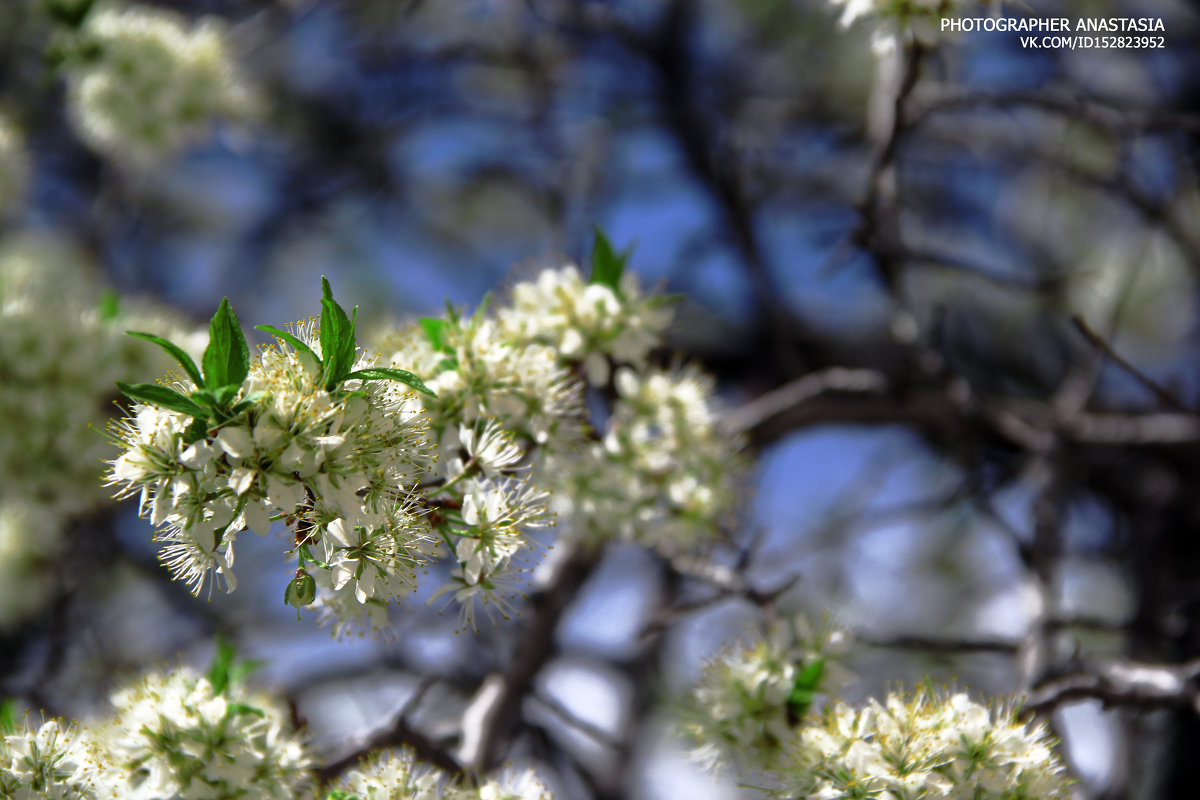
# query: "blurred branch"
(496, 707)
(1121, 683)
(398, 734)
(592, 731)
(1072, 106)
(1160, 392)
(939, 645)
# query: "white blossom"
(156, 84)
(584, 322)
(173, 737)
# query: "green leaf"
(607, 264)
(109, 305)
(435, 329)
(329, 332)
(236, 709)
(240, 670)
(810, 677)
(196, 431)
(296, 342)
(389, 374)
(174, 350)
(8, 715)
(804, 689)
(226, 393)
(71, 13)
(162, 397)
(227, 357)
(218, 673)
(338, 345)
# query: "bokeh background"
(949, 293)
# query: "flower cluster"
(591, 323)
(656, 469)
(751, 697)
(181, 736)
(174, 735)
(397, 776)
(377, 481)
(663, 474)
(51, 762)
(337, 456)
(314, 432)
(923, 745)
(14, 167)
(478, 372)
(61, 347)
(154, 84)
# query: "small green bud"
(301, 590)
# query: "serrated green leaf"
(337, 338)
(218, 673)
(607, 264)
(185, 361)
(348, 346)
(162, 397)
(296, 342)
(390, 374)
(329, 333)
(227, 358)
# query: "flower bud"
(301, 590)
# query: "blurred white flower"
(156, 86)
(173, 736)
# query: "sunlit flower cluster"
(479, 373)
(397, 776)
(174, 736)
(14, 166)
(340, 464)
(922, 745)
(751, 697)
(374, 480)
(155, 85)
(664, 473)
(51, 762)
(587, 322)
(377, 481)
(62, 345)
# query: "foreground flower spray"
(462, 439)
